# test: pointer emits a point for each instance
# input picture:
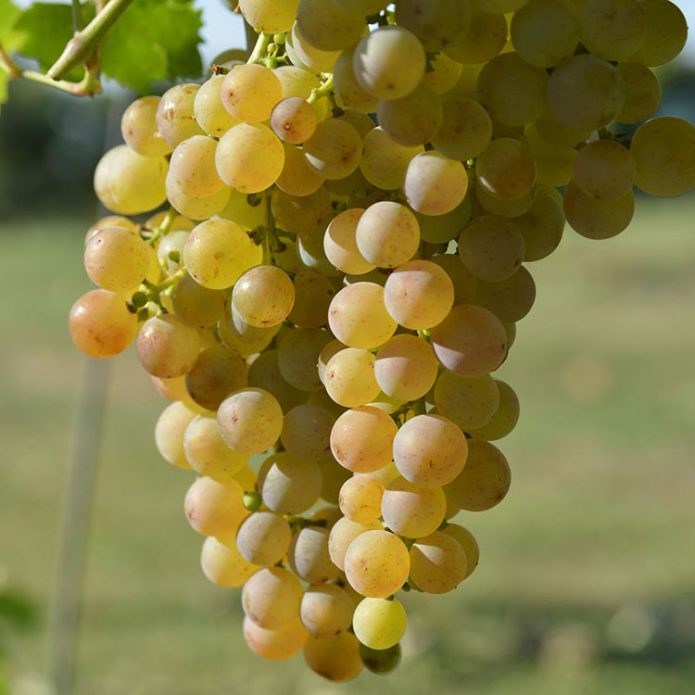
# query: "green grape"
(469, 402)
(444, 74)
(271, 598)
(246, 477)
(296, 82)
(467, 541)
(216, 373)
(466, 128)
(664, 150)
(463, 282)
(336, 658)
(334, 150)
(217, 253)
(505, 207)
(326, 610)
(485, 38)
(167, 347)
(613, 29)
(250, 92)
(361, 122)
(116, 259)
(206, 452)
(411, 510)
(435, 184)
(290, 485)
(357, 315)
(298, 179)
(333, 476)
(308, 556)
(175, 116)
(387, 235)
(198, 306)
(405, 368)
(511, 90)
(509, 300)
(377, 563)
(413, 119)
(305, 216)
(209, 110)
(247, 341)
(109, 222)
(597, 219)
(340, 243)
(349, 377)
(250, 420)
(293, 120)
(250, 157)
(429, 451)
(363, 7)
(605, 170)
(506, 168)
(418, 294)
(384, 161)
(328, 26)
(223, 565)
(348, 92)
(307, 57)
(554, 163)
(139, 128)
(313, 293)
(381, 660)
(196, 207)
(665, 35)
(279, 644)
(341, 536)
(504, 418)
(263, 538)
(379, 623)
(544, 32)
(269, 16)
(362, 438)
(192, 167)
(642, 92)
(491, 248)
(169, 433)
(360, 499)
(435, 22)
(389, 62)
(438, 563)
(263, 296)
(484, 481)
(549, 130)
(471, 341)
(298, 355)
(128, 183)
(440, 229)
(306, 432)
(265, 373)
(213, 508)
(585, 92)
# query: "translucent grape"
(223, 565)
(385, 162)
(605, 170)
(439, 229)
(612, 29)
(208, 109)
(298, 356)
(128, 183)
(332, 477)
(410, 510)
(387, 235)
(293, 120)
(250, 420)
(418, 294)
(169, 434)
(485, 480)
(192, 167)
(279, 644)
(484, 39)
(326, 610)
(504, 418)
(541, 226)
(297, 177)
(328, 26)
(349, 378)
(381, 660)
(167, 347)
(379, 623)
(469, 402)
(377, 563)
(175, 116)
(405, 368)
(362, 438)
(463, 282)
(265, 373)
(413, 119)
(336, 658)
(216, 373)
(334, 150)
(666, 32)
(308, 556)
(247, 340)
(435, 184)
(307, 56)
(305, 216)
(348, 92)
(213, 508)
(597, 219)
(116, 259)
(435, 22)
(438, 563)
(250, 91)
(196, 207)
(341, 536)
(360, 499)
(268, 16)
(313, 293)
(363, 7)
(444, 74)
(642, 92)
(340, 244)
(466, 128)
(506, 168)
(271, 598)
(290, 485)
(306, 432)
(263, 538)
(263, 296)
(206, 452)
(198, 306)
(139, 128)
(509, 300)
(471, 341)
(467, 541)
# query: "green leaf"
(43, 30)
(153, 40)
(8, 37)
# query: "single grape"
(192, 167)
(467, 542)
(598, 219)
(263, 296)
(469, 402)
(360, 499)
(167, 347)
(290, 485)
(207, 454)
(139, 128)
(485, 38)
(435, 184)
(506, 168)
(381, 660)
(208, 109)
(438, 563)
(306, 432)
(217, 372)
(271, 598)
(213, 508)
(334, 149)
(326, 609)
(509, 300)
(387, 235)
(278, 644)
(198, 306)
(411, 510)
(263, 538)
(298, 356)
(379, 623)
(250, 91)
(336, 658)
(175, 114)
(413, 119)
(250, 420)
(169, 434)
(309, 558)
(268, 16)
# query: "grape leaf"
(153, 40)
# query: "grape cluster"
(339, 271)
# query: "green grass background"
(587, 575)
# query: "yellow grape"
(167, 347)
(139, 128)
(223, 565)
(175, 114)
(463, 282)
(439, 229)
(117, 260)
(379, 623)
(333, 476)
(265, 373)
(411, 510)
(405, 368)
(435, 184)
(506, 168)
(340, 243)
(466, 128)
(208, 109)
(279, 644)
(263, 538)
(597, 219)
(196, 207)
(326, 609)
(298, 179)
(509, 300)
(290, 485)
(413, 119)
(213, 508)
(206, 452)
(484, 39)
(504, 418)
(293, 120)
(341, 536)
(271, 598)
(250, 91)
(192, 167)
(469, 402)
(328, 26)
(309, 558)
(336, 658)
(169, 434)
(467, 542)
(263, 296)
(642, 92)
(334, 149)
(307, 57)
(387, 235)
(360, 499)
(665, 35)
(216, 373)
(250, 420)
(613, 29)
(298, 355)
(198, 306)
(306, 432)
(438, 563)
(384, 161)
(307, 216)
(313, 293)
(349, 94)
(605, 170)
(268, 16)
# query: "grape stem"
(260, 49)
(324, 90)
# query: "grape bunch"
(333, 269)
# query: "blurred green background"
(587, 576)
